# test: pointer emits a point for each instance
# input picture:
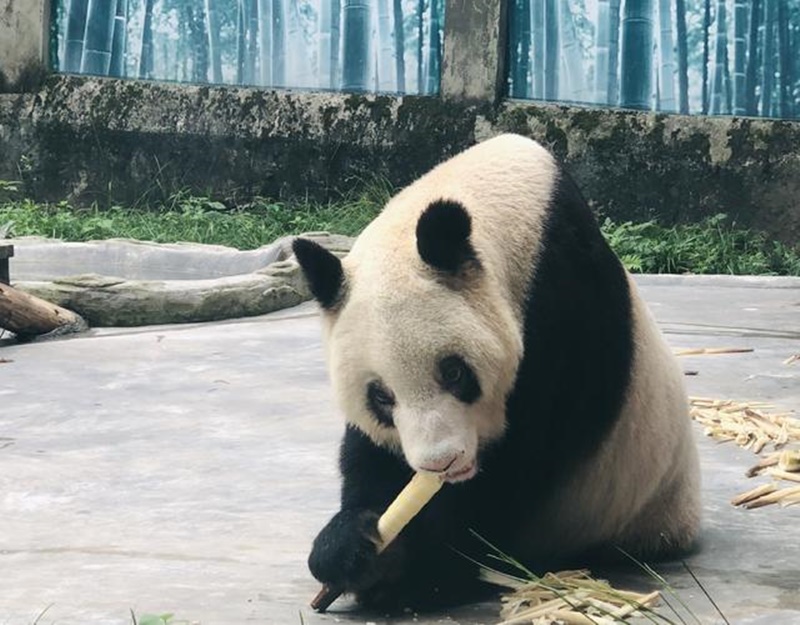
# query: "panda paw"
(345, 552)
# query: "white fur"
(612, 497)
(391, 321)
(394, 327)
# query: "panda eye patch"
(452, 370)
(380, 402)
(458, 378)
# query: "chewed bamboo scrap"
(789, 460)
(753, 494)
(748, 424)
(783, 467)
(792, 359)
(766, 462)
(707, 351)
(570, 597)
(768, 494)
(786, 465)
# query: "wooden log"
(28, 316)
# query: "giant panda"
(482, 328)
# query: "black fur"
(380, 403)
(422, 567)
(345, 552)
(323, 271)
(457, 378)
(570, 387)
(443, 233)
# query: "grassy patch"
(192, 219)
(712, 246)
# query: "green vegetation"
(191, 219)
(714, 245)
(152, 619)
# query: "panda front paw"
(345, 552)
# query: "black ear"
(322, 269)
(443, 233)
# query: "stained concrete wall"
(25, 43)
(107, 141)
(123, 141)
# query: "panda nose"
(441, 464)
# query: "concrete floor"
(186, 469)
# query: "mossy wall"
(127, 141)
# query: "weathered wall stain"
(21, 27)
(128, 141)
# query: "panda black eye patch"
(380, 401)
(457, 378)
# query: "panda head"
(422, 348)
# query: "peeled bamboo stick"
(769, 461)
(419, 491)
(789, 460)
(702, 351)
(569, 617)
(784, 475)
(746, 423)
(755, 493)
(775, 496)
(568, 597)
(643, 602)
(789, 500)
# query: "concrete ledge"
(42, 259)
(245, 284)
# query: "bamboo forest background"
(737, 57)
(351, 45)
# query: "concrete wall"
(24, 43)
(108, 141)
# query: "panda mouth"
(463, 474)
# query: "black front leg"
(345, 553)
(422, 567)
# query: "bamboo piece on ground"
(784, 475)
(789, 460)
(28, 316)
(747, 423)
(419, 491)
(567, 596)
(755, 493)
(789, 500)
(774, 497)
(770, 461)
(703, 351)
(569, 617)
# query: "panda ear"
(443, 232)
(323, 271)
